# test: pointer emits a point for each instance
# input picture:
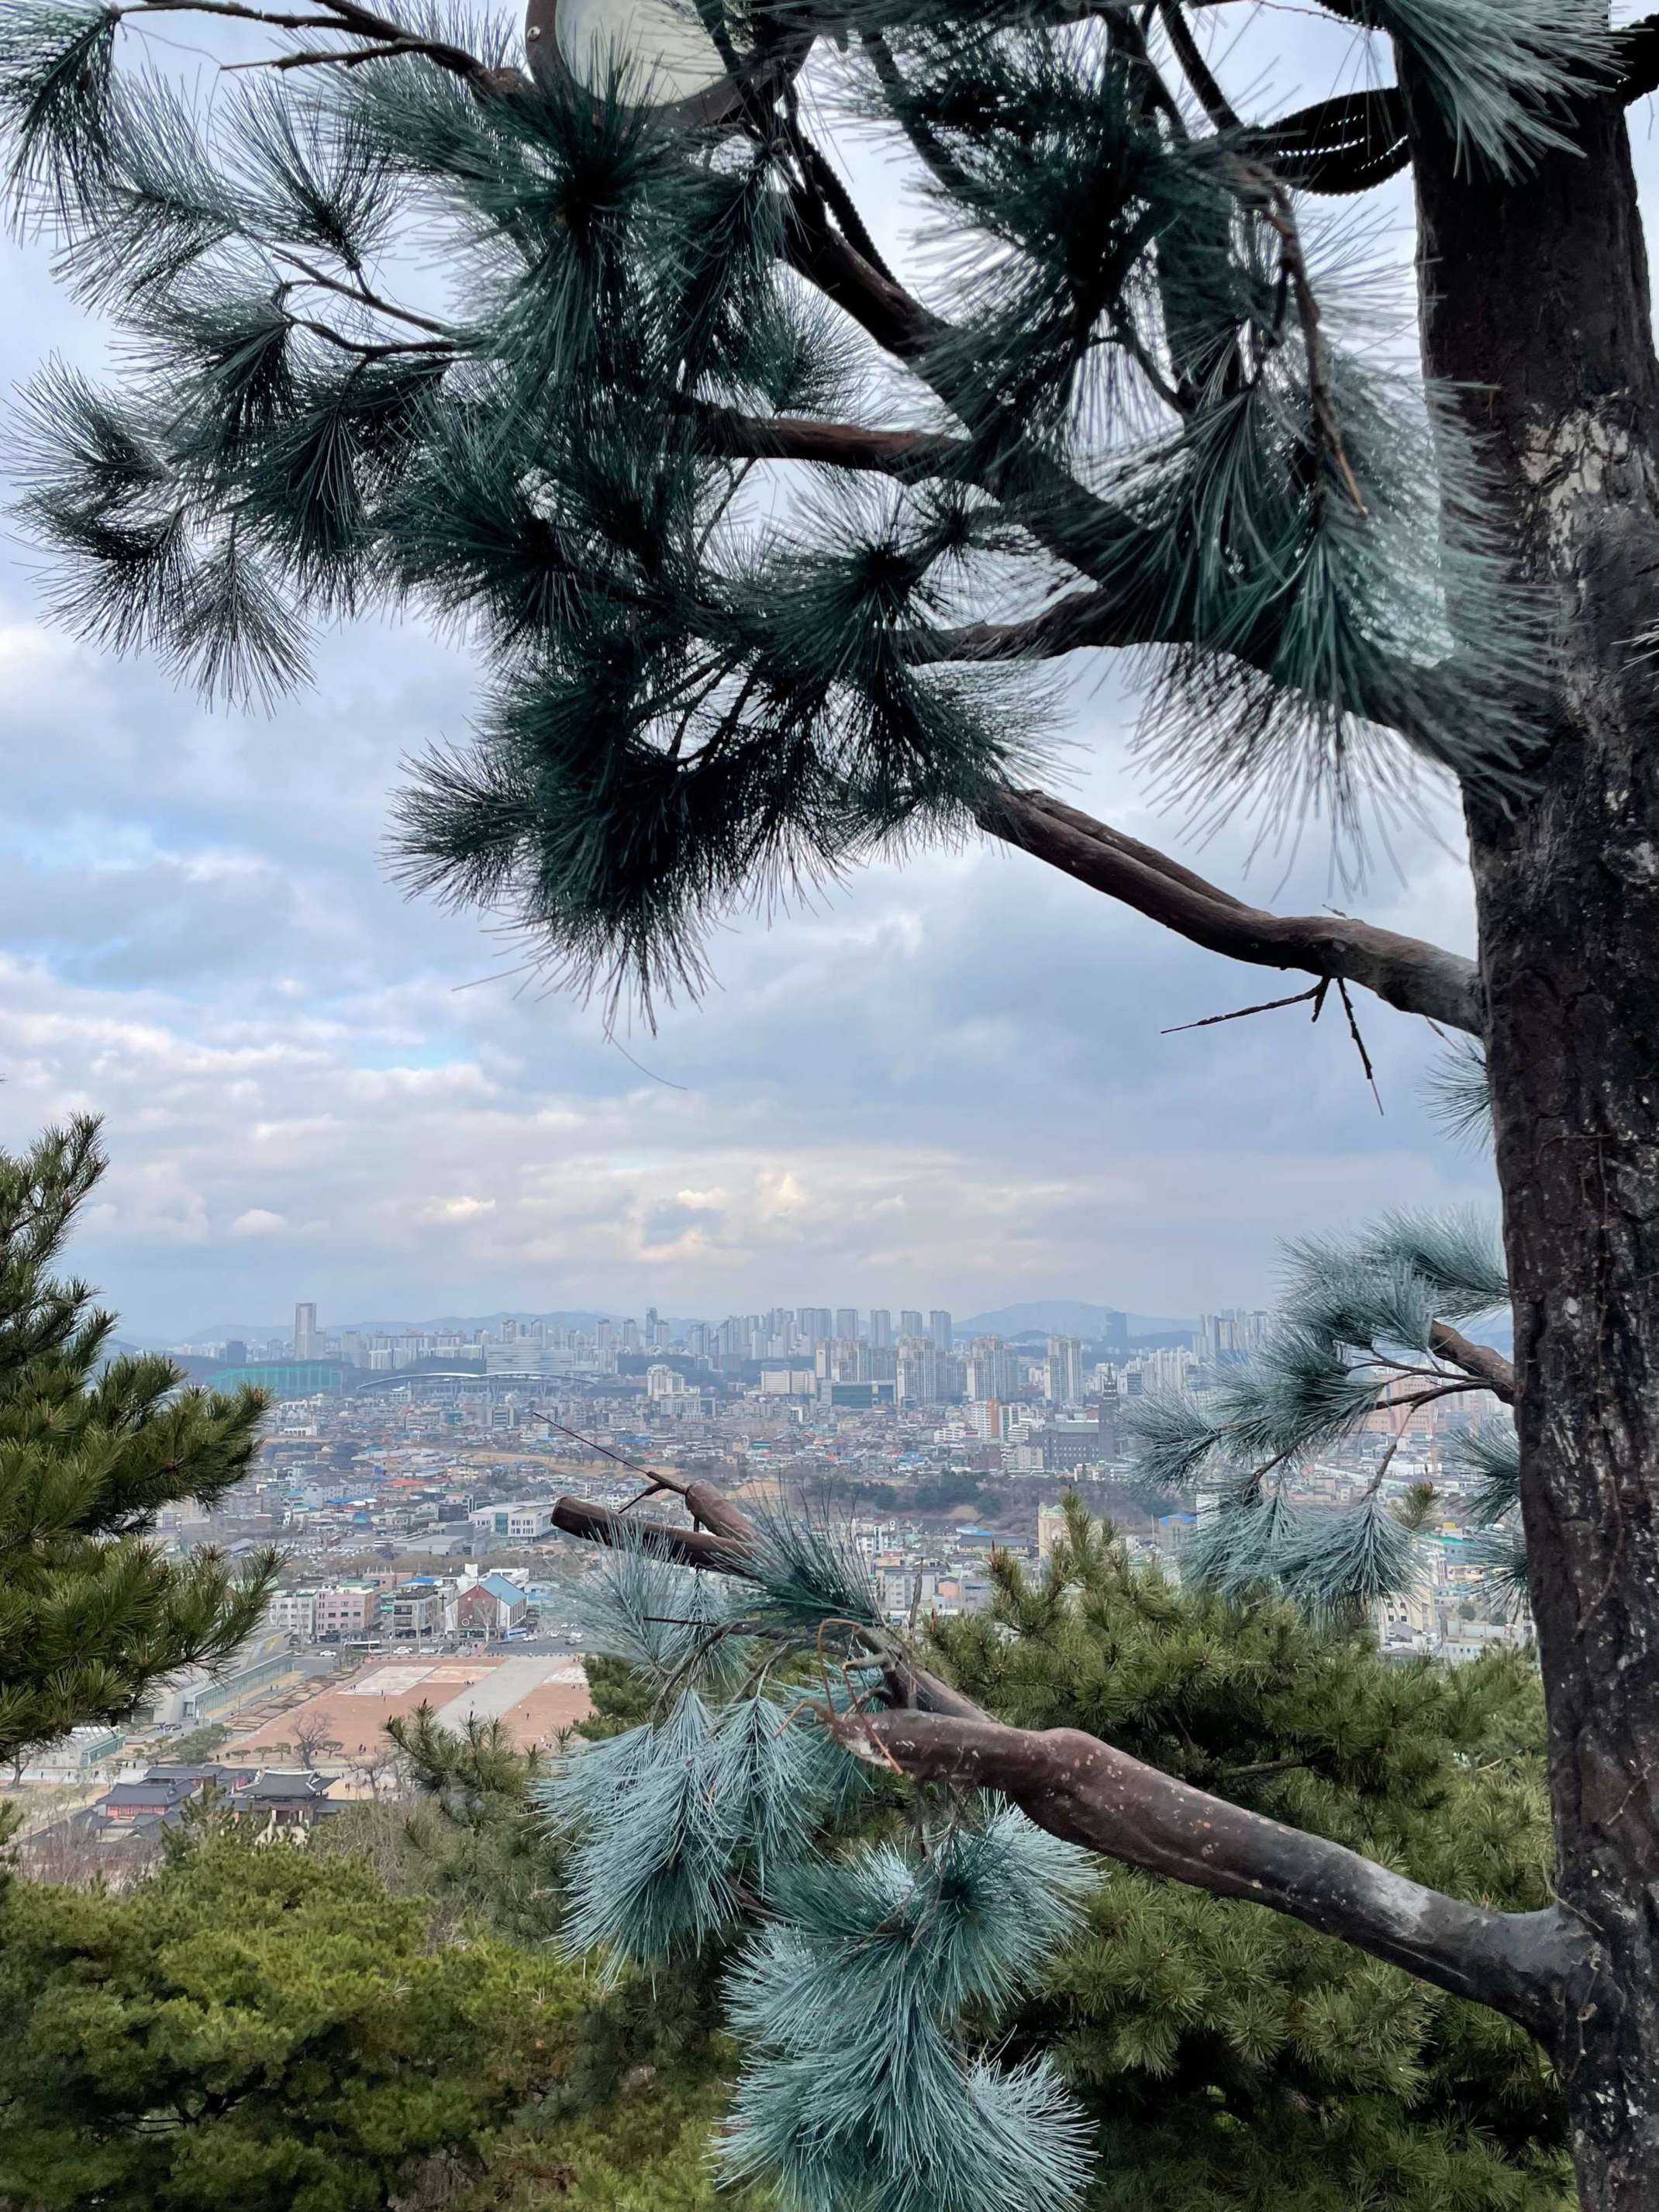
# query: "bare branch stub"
(1359, 1041)
(1317, 993)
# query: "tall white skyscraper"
(910, 1322)
(847, 1320)
(307, 1344)
(939, 1327)
(881, 1326)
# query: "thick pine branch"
(1416, 977)
(1082, 1790)
(1071, 624)
(690, 1548)
(1338, 146)
(1478, 1361)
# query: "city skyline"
(309, 1336)
(815, 1360)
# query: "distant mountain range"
(1065, 1317)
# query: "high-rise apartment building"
(1111, 1432)
(308, 1344)
(842, 1359)
(847, 1320)
(939, 1327)
(921, 1380)
(881, 1327)
(1230, 1338)
(1064, 1382)
(910, 1322)
(992, 1370)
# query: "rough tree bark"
(1535, 292)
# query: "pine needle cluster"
(760, 589)
(732, 1824)
(1368, 1332)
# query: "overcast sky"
(947, 1085)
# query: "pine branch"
(1078, 620)
(689, 1547)
(1066, 516)
(1338, 146)
(1086, 1792)
(1083, 530)
(907, 454)
(360, 293)
(927, 145)
(879, 305)
(1197, 70)
(344, 17)
(1405, 972)
(1639, 46)
(1478, 1361)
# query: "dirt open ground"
(534, 1696)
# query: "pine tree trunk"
(1537, 289)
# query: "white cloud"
(258, 1221)
(456, 1209)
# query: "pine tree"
(262, 2027)
(93, 1616)
(1135, 417)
